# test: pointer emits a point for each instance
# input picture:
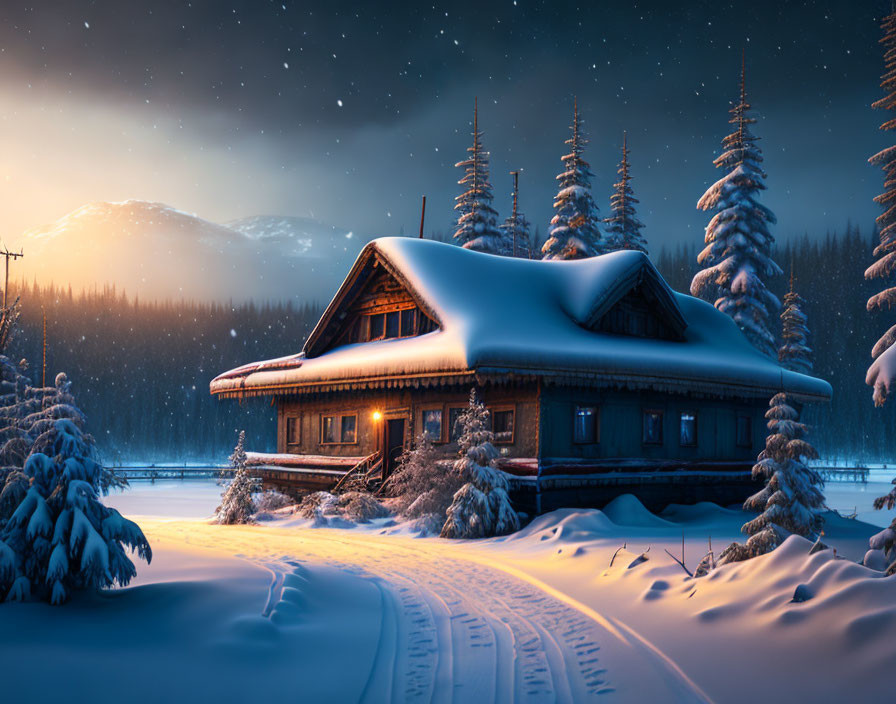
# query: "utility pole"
(15, 255)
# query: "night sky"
(348, 112)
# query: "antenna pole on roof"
(422, 216)
(516, 189)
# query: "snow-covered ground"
(568, 609)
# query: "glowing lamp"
(377, 415)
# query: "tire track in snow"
(460, 626)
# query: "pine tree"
(737, 256)
(794, 352)
(477, 226)
(623, 229)
(574, 232)
(882, 372)
(791, 500)
(481, 507)
(516, 227)
(55, 534)
(237, 505)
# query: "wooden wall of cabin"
(621, 425)
(409, 404)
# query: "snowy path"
(456, 628)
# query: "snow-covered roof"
(498, 315)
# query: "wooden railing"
(364, 470)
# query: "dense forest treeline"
(140, 370)
(829, 275)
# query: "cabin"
(600, 379)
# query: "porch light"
(377, 416)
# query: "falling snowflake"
(232, 332)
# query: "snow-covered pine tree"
(237, 505)
(882, 372)
(477, 226)
(791, 500)
(516, 227)
(794, 352)
(574, 232)
(422, 486)
(623, 230)
(737, 257)
(481, 507)
(56, 535)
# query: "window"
(653, 427)
(377, 323)
(432, 423)
(293, 431)
(453, 425)
(337, 430)
(744, 431)
(408, 322)
(392, 322)
(502, 425)
(687, 429)
(585, 425)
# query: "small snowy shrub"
(271, 500)
(423, 486)
(791, 500)
(316, 505)
(481, 507)
(237, 505)
(360, 507)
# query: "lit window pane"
(328, 432)
(688, 429)
(392, 321)
(376, 326)
(292, 431)
(349, 428)
(502, 426)
(653, 427)
(585, 429)
(453, 425)
(432, 424)
(408, 318)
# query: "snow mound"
(627, 510)
(702, 512)
(567, 525)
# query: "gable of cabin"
(374, 306)
(638, 314)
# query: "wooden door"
(393, 445)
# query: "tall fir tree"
(882, 372)
(794, 352)
(623, 229)
(738, 253)
(574, 232)
(516, 227)
(477, 226)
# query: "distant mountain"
(155, 251)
